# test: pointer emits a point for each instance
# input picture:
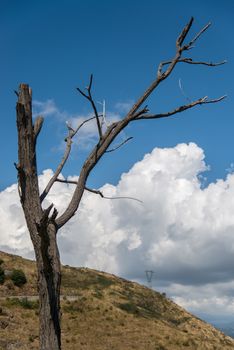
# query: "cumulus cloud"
(13, 228)
(182, 231)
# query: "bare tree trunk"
(41, 226)
(49, 278)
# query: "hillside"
(105, 312)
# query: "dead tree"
(43, 224)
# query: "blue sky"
(55, 45)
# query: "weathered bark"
(42, 228)
(49, 278)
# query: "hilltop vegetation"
(101, 312)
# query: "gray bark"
(42, 228)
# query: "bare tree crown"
(135, 113)
(115, 128)
(164, 70)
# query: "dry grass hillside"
(106, 312)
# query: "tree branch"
(134, 114)
(142, 111)
(37, 126)
(97, 191)
(68, 140)
(58, 170)
(190, 61)
(181, 49)
(90, 98)
(184, 33)
(105, 197)
(121, 144)
(190, 44)
(172, 63)
(200, 101)
(72, 182)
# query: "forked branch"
(191, 61)
(68, 140)
(200, 101)
(90, 99)
(161, 76)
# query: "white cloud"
(88, 134)
(13, 229)
(124, 107)
(214, 299)
(47, 109)
(182, 231)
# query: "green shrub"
(129, 307)
(2, 275)
(25, 303)
(104, 281)
(18, 277)
(29, 304)
(1, 261)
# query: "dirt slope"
(106, 313)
